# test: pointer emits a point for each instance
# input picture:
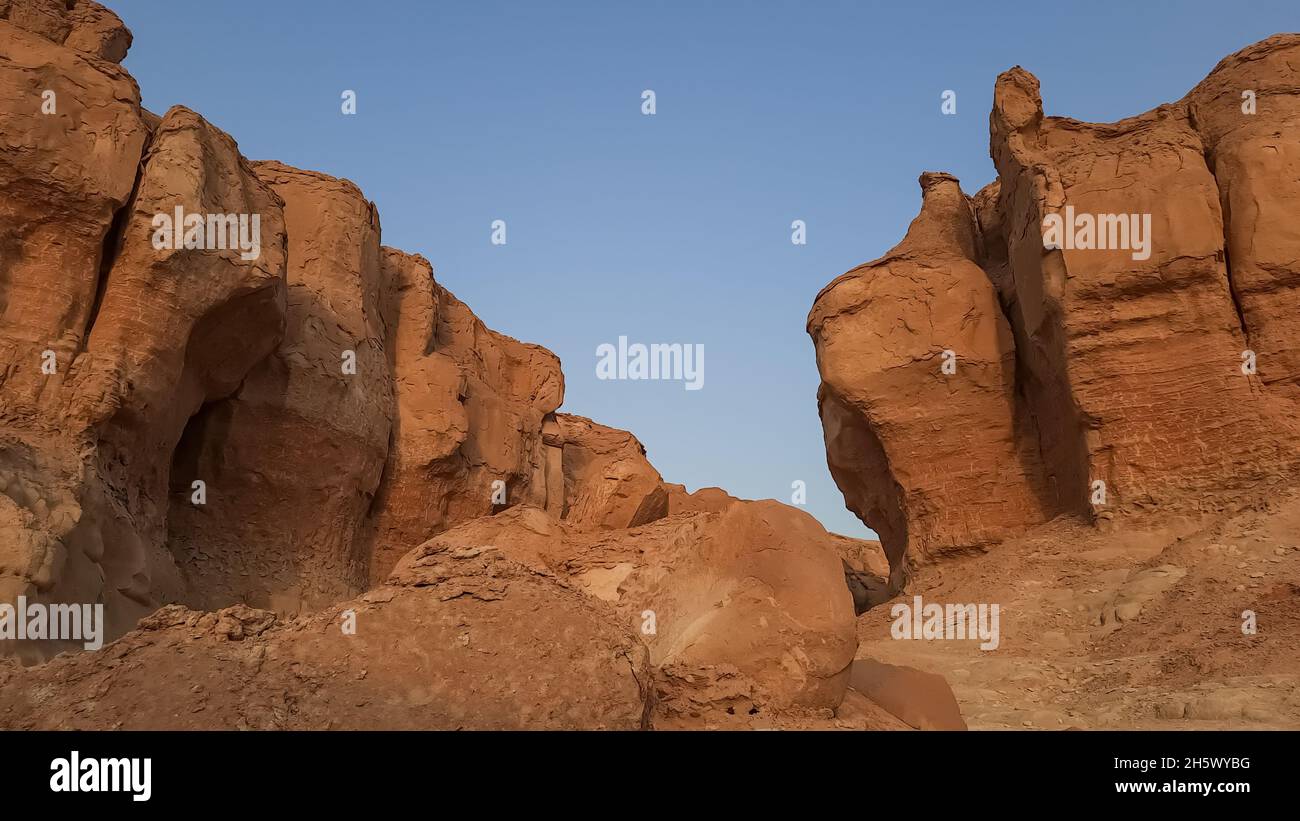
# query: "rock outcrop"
(1116, 307)
(82, 26)
(473, 409)
(228, 413)
(292, 460)
(918, 390)
(747, 607)
(111, 335)
(608, 482)
(1246, 113)
(518, 620)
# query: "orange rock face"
(747, 606)
(1117, 304)
(608, 482)
(86, 27)
(292, 460)
(1245, 114)
(220, 391)
(110, 341)
(485, 645)
(472, 405)
(1140, 344)
(918, 397)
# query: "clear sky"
(673, 227)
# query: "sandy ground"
(1119, 627)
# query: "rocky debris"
(1183, 656)
(426, 653)
(742, 610)
(1138, 588)
(1108, 374)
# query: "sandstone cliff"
(1141, 359)
(333, 494)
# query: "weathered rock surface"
(176, 328)
(1143, 342)
(110, 343)
(292, 460)
(472, 406)
(923, 701)
(65, 175)
(1255, 161)
(710, 499)
(608, 482)
(261, 413)
(518, 620)
(84, 26)
(745, 609)
(1100, 371)
(918, 391)
(452, 642)
(871, 579)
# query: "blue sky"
(673, 227)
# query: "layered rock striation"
(1113, 311)
(309, 487)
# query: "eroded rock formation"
(292, 460)
(918, 390)
(110, 341)
(744, 605)
(608, 482)
(227, 408)
(1141, 357)
(473, 407)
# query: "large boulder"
(608, 482)
(746, 609)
